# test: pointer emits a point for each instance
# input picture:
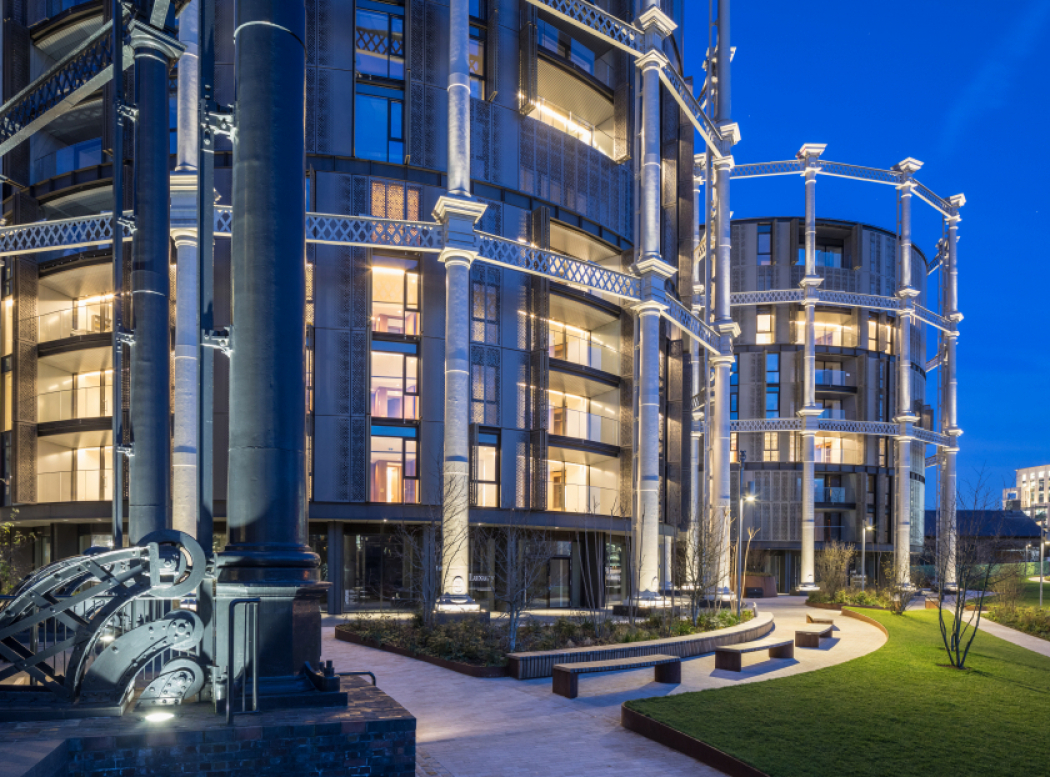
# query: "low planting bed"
(481, 649)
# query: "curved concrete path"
(468, 727)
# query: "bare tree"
(743, 570)
(832, 566)
(522, 559)
(973, 567)
(704, 562)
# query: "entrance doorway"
(559, 577)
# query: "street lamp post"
(863, 557)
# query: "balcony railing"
(571, 124)
(829, 495)
(87, 153)
(834, 378)
(77, 320)
(91, 402)
(835, 454)
(83, 486)
(570, 498)
(583, 351)
(584, 426)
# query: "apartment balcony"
(836, 413)
(74, 404)
(91, 317)
(835, 381)
(581, 348)
(572, 498)
(81, 486)
(579, 425)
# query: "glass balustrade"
(572, 498)
(829, 495)
(571, 124)
(834, 378)
(583, 426)
(83, 486)
(65, 160)
(581, 349)
(90, 402)
(833, 412)
(80, 319)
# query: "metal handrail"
(255, 657)
(356, 674)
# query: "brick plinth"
(373, 736)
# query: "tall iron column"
(950, 277)
(150, 493)
(696, 501)
(184, 233)
(459, 214)
(267, 555)
(117, 396)
(809, 412)
(654, 272)
(906, 416)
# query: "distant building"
(1011, 499)
(1010, 534)
(1032, 492)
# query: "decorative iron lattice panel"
(597, 22)
(681, 92)
(679, 315)
(933, 319)
(850, 299)
(57, 91)
(765, 425)
(519, 256)
(78, 232)
(881, 428)
(772, 297)
(931, 199)
(933, 438)
(841, 170)
(763, 169)
(364, 231)
(933, 461)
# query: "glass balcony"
(583, 426)
(829, 495)
(834, 412)
(46, 9)
(572, 124)
(576, 346)
(834, 378)
(89, 402)
(571, 498)
(65, 160)
(93, 317)
(83, 486)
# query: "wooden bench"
(730, 657)
(820, 619)
(567, 676)
(809, 637)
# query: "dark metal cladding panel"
(359, 459)
(540, 227)
(528, 69)
(622, 108)
(626, 413)
(16, 71)
(492, 53)
(538, 469)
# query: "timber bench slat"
(730, 657)
(820, 619)
(809, 637)
(566, 677)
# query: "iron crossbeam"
(679, 315)
(80, 232)
(597, 22)
(60, 89)
(683, 95)
(766, 169)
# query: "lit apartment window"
(395, 200)
(764, 330)
(770, 447)
(579, 346)
(393, 472)
(484, 385)
(823, 255)
(873, 331)
(583, 418)
(395, 295)
(831, 328)
(579, 488)
(486, 470)
(772, 385)
(882, 452)
(395, 380)
(733, 442)
(765, 242)
(476, 58)
(380, 42)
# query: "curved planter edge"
(456, 666)
(837, 607)
(529, 666)
(683, 743)
(849, 613)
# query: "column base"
(808, 588)
(456, 603)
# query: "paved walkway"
(502, 727)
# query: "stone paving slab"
(470, 727)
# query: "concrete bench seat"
(567, 676)
(809, 637)
(730, 657)
(828, 619)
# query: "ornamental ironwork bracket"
(219, 339)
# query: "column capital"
(654, 264)
(907, 293)
(459, 217)
(956, 201)
(731, 328)
(907, 422)
(907, 167)
(145, 36)
(809, 416)
(654, 22)
(809, 286)
(651, 58)
(724, 162)
(810, 154)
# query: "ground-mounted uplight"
(160, 716)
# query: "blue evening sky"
(961, 86)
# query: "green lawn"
(1030, 597)
(892, 712)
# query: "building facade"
(573, 386)
(1030, 492)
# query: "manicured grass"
(891, 712)
(1030, 597)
